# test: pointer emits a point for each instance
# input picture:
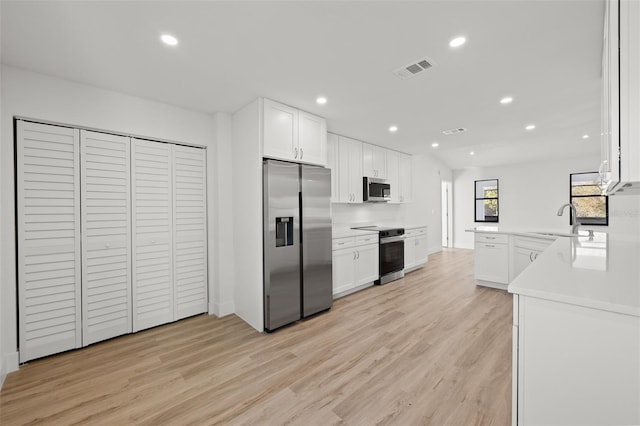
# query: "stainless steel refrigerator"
(297, 242)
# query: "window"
(592, 208)
(486, 200)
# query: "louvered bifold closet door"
(106, 236)
(153, 302)
(48, 199)
(190, 231)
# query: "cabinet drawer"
(340, 243)
(492, 238)
(367, 239)
(415, 232)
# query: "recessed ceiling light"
(506, 100)
(472, 153)
(585, 136)
(169, 40)
(435, 144)
(393, 129)
(321, 100)
(530, 127)
(458, 41)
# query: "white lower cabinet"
(525, 251)
(416, 250)
(355, 263)
(574, 365)
(491, 266)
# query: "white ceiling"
(546, 54)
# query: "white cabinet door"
(366, 264)
(280, 131)
(312, 139)
(492, 262)
(350, 170)
(522, 258)
(422, 249)
(189, 231)
(374, 161)
(406, 181)
(409, 253)
(343, 270)
(48, 222)
(393, 176)
(106, 236)
(152, 234)
(332, 163)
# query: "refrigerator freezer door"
(281, 243)
(317, 288)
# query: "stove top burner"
(383, 230)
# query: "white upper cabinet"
(620, 168)
(349, 170)
(293, 135)
(280, 131)
(399, 176)
(374, 161)
(312, 139)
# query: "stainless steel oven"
(391, 253)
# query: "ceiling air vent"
(454, 131)
(413, 69)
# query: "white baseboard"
(352, 290)
(221, 309)
(492, 284)
(10, 363)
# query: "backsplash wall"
(367, 213)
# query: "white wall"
(529, 195)
(43, 97)
(224, 239)
(425, 208)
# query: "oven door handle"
(391, 239)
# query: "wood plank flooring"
(430, 349)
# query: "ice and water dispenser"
(284, 231)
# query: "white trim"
(109, 132)
(221, 309)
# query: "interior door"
(152, 245)
(48, 222)
(189, 231)
(106, 236)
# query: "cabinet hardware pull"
(354, 255)
(489, 245)
(301, 153)
(530, 255)
(490, 238)
(358, 251)
(295, 152)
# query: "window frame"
(476, 199)
(571, 197)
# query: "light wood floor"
(431, 349)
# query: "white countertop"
(343, 231)
(602, 273)
(529, 232)
(348, 232)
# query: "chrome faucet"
(574, 219)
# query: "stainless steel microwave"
(375, 190)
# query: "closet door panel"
(106, 236)
(153, 301)
(48, 201)
(190, 231)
